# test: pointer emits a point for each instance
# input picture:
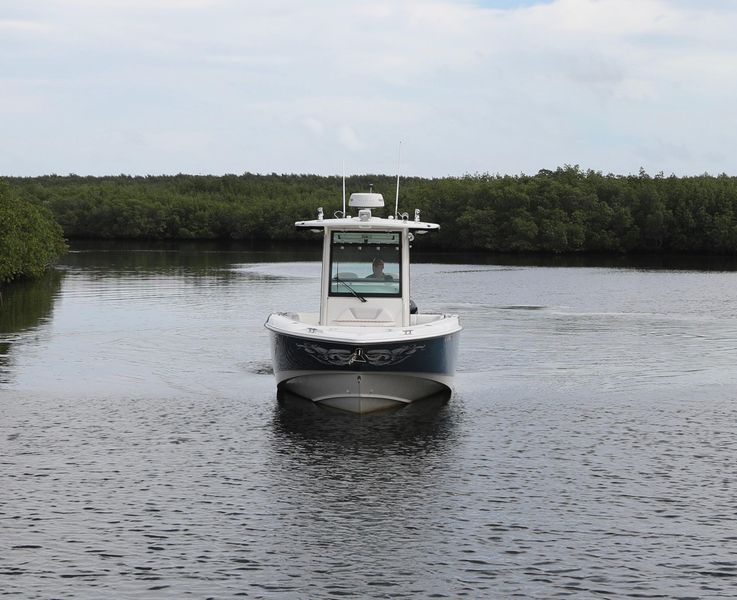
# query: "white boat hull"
(362, 392)
(363, 370)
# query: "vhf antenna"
(343, 188)
(396, 203)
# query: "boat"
(368, 348)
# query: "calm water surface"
(590, 449)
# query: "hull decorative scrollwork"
(376, 357)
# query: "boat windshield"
(365, 263)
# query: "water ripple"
(588, 451)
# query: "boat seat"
(346, 276)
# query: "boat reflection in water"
(426, 423)
(368, 349)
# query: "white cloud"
(348, 138)
(314, 126)
(594, 82)
(23, 26)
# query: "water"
(590, 449)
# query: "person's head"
(378, 266)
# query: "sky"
(429, 88)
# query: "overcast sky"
(300, 86)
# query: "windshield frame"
(383, 244)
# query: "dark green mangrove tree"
(567, 210)
(30, 238)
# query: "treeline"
(568, 210)
(30, 238)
